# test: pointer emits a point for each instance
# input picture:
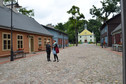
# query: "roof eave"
(26, 31)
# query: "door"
(31, 44)
(85, 41)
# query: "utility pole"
(123, 17)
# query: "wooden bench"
(19, 53)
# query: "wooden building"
(107, 28)
(117, 35)
(60, 37)
(28, 34)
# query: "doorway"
(85, 41)
(31, 44)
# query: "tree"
(27, 12)
(76, 16)
(108, 7)
(23, 11)
(60, 26)
(94, 26)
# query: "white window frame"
(39, 41)
(7, 42)
(20, 40)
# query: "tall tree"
(108, 7)
(76, 16)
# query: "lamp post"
(12, 58)
(16, 6)
(123, 17)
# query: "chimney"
(1, 3)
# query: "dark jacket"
(48, 48)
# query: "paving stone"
(85, 64)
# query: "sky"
(55, 11)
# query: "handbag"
(57, 50)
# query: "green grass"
(70, 45)
(98, 44)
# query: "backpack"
(57, 49)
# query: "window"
(6, 41)
(80, 36)
(44, 41)
(90, 40)
(19, 41)
(91, 36)
(39, 41)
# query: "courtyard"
(85, 64)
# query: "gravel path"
(85, 64)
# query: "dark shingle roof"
(118, 28)
(21, 22)
(109, 21)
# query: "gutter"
(26, 31)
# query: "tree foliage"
(94, 26)
(76, 16)
(24, 11)
(108, 7)
(27, 12)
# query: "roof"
(85, 32)
(54, 29)
(110, 20)
(118, 28)
(21, 22)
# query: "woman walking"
(48, 50)
(54, 51)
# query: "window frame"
(39, 41)
(7, 42)
(20, 40)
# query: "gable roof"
(104, 24)
(118, 28)
(85, 32)
(21, 23)
(54, 29)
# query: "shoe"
(57, 60)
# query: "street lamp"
(16, 6)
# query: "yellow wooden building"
(86, 36)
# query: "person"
(48, 50)
(54, 51)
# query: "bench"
(19, 53)
(117, 47)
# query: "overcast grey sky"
(55, 11)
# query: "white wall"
(86, 37)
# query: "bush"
(90, 42)
(79, 42)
